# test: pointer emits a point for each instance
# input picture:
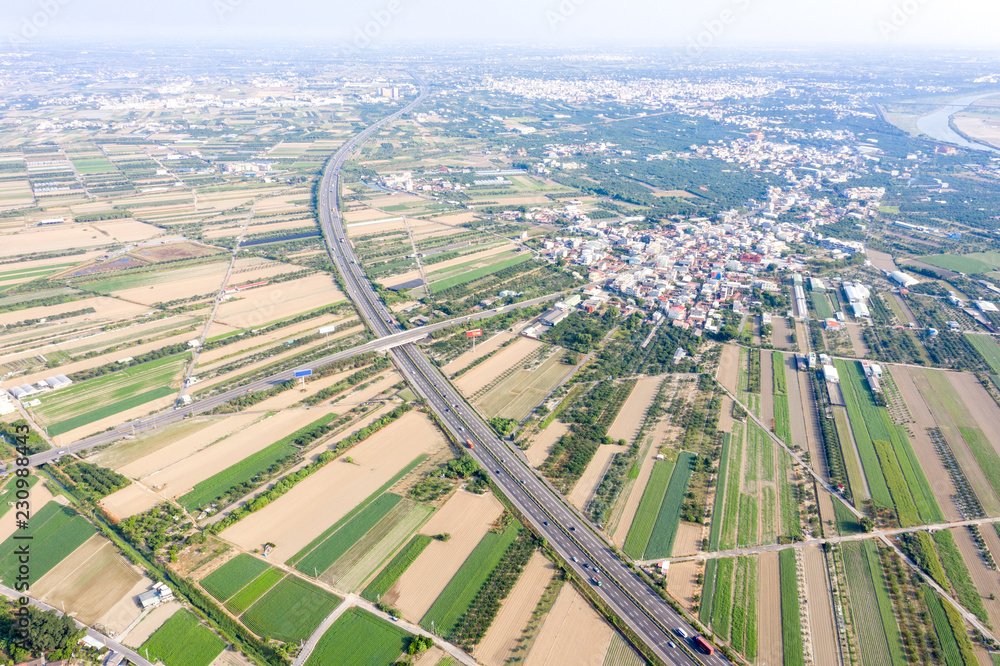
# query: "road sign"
(303, 373)
(474, 333)
(327, 330)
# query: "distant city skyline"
(794, 23)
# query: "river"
(935, 125)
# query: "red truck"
(703, 645)
(469, 444)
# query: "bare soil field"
(127, 610)
(176, 478)
(573, 633)
(729, 365)
(431, 657)
(979, 403)
(781, 333)
(258, 228)
(278, 301)
(486, 372)
(115, 420)
(368, 215)
(366, 227)
(882, 261)
(128, 230)
(854, 333)
(172, 251)
(585, 488)
(986, 581)
(688, 540)
(149, 624)
(682, 581)
(51, 239)
(501, 638)
(467, 518)
(130, 500)
(72, 583)
(770, 648)
(127, 451)
(236, 349)
(544, 441)
(106, 308)
(766, 388)
(482, 348)
(293, 520)
(820, 607)
(803, 424)
(183, 446)
(626, 425)
(940, 481)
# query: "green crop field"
(358, 508)
(91, 165)
(987, 348)
(290, 611)
(183, 641)
(327, 552)
(821, 304)
(448, 283)
(715, 533)
(985, 455)
(858, 416)
(955, 644)
(396, 567)
(722, 607)
(360, 639)
(8, 494)
(905, 509)
(463, 587)
(89, 401)
(661, 540)
(745, 601)
(708, 593)
(243, 599)
(232, 576)
(958, 574)
(649, 508)
(874, 621)
(791, 627)
(214, 486)
(55, 531)
(977, 262)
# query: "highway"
(165, 418)
(564, 528)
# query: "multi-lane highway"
(564, 528)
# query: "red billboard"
(475, 333)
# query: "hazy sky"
(971, 23)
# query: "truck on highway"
(703, 645)
(469, 444)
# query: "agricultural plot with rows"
(360, 639)
(183, 641)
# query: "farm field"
(90, 401)
(183, 641)
(626, 425)
(55, 531)
(232, 576)
(360, 639)
(290, 611)
(71, 583)
(461, 590)
(976, 262)
(523, 390)
(396, 567)
(649, 506)
(544, 441)
(502, 638)
(987, 348)
(874, 622)
(573, 633)
(729, 367)
(592, 476)
(483, 348)
(296, 518)
(466, 517)
(479, 377)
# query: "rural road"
(577, 541)
(168, 417)
(93, 633)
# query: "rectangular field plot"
(360, 639)
(95, 399)
(55, 532)
(183, 641)
(232, 576)
(371, 550)
(649, 507)
(462, 589)
(245, 598)
(521, 392)
(327, 552)
(241, 472)
(987, 348)
(661, 540)
(290, 611)
(396, 568)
